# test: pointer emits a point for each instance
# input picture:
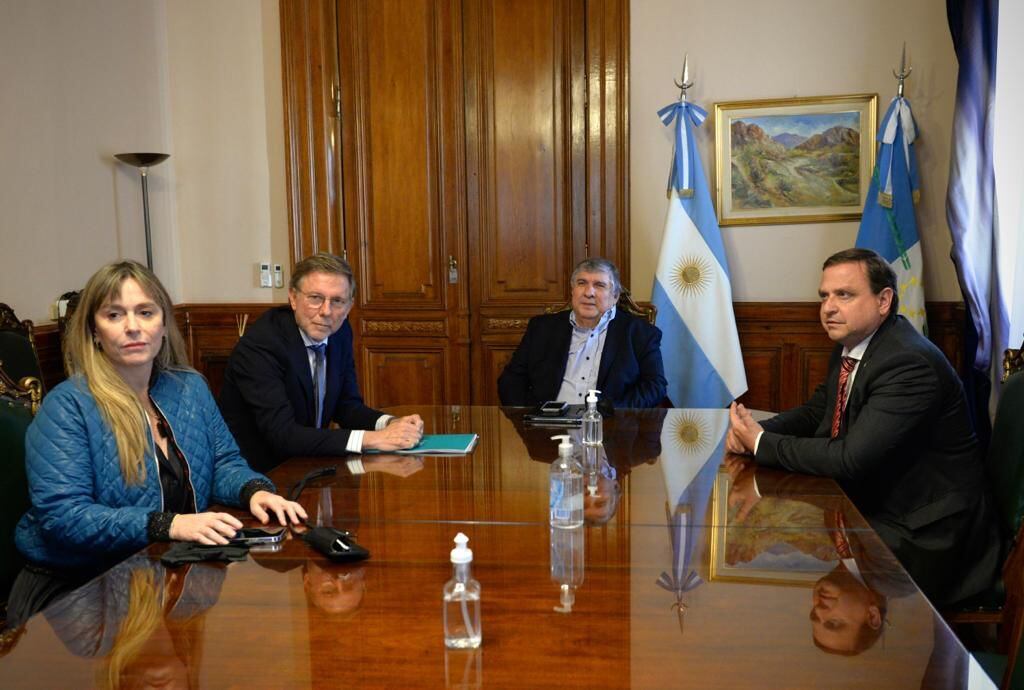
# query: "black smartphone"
(258, 535)
(553, 408)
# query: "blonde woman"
(131, 449)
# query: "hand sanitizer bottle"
(567, 565)
(462, 601)
(566, 500)
(593, 424)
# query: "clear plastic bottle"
(462, 600)
(567, 564)
(593, 424)
(566, 498)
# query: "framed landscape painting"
(794, 160)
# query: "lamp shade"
(142, 160)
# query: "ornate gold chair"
(626, 302)
(1013, 361)
(18, 355)
(28, 391)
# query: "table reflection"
(144, 623)
(693, 569)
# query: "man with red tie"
(889, 423)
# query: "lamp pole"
(144, 161)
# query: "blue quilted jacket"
(82, 510)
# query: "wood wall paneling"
(607, 132)
(211, 332)
(785, 351)
(397, 373)
(403, 171)
(479, 134)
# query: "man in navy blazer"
(593, 345)
(293, 373)
(899, 440)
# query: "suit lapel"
(612, 341)
(877, 344)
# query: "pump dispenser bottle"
(566, 498)
(567, 565)
(462, 600)
(593, 424)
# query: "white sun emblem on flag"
(692, 275)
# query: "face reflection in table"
(691, 569)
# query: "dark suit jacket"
(267, 397)
(631, 372)
(906, 455)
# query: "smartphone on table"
(553, 408)
(250, 536)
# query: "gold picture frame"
(794, 160)
(722, 568)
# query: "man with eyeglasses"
(293, 373)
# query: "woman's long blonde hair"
(120, 408)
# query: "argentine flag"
(888, 225)
(692, 292)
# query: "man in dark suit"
(593, 345)
(890, 423)
(293, 373)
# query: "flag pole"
(904, 72)
(686, 83)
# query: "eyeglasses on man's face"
(315, 300)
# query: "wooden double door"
(464, 155)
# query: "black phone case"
(339, 546)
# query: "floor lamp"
(144, 161)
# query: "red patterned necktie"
(844, 374)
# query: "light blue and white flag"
(692, 292)
(889, 225)
(692, 446)
(971, 197)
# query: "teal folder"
(438, 444)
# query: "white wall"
(79, 82)
(742, 49)
(228, 125)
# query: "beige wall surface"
(83, 81)
(742, 49)
(202, 81)
(79, 82)
(228, 126)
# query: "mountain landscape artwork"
(796, 161)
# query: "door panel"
(400, 373)
(402, 131)
(392, 131)
(474, 151)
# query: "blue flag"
(889, 225)
(692, 289)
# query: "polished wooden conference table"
(693, 570)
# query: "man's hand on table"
(743, 430)
(399, 434)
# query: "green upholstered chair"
(15, 416)
(1006, 471)
(18, 354)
